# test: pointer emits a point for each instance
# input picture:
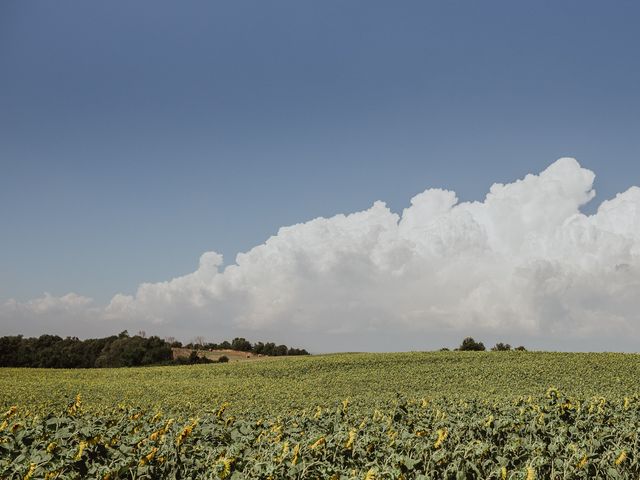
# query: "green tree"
(469, 344)
(241, 344)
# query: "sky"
(144, 142)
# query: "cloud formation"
(524, 263)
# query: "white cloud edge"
(524, 260)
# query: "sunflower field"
(399, 419)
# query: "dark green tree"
(241, 344)
(469, 344)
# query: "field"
(349, 416)
(232, 355)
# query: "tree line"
(52, 351)
(122, 350)
(243, 345)
(470, 345)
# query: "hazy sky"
(135, 136)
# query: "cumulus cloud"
(72, 313)
(524, 263)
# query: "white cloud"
(74, 314)
(523, 263)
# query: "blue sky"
(134, 136)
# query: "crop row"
(551, 436)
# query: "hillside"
(414, 416)
(214, 355)
(298, 382)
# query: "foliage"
(193, 359)
(548, 437)
(501, 347)
(223, 359)
(469, 344)
(134, 352)
(285, 383)
(241, 344)
(461, 415)
(52, 351)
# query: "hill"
(472, 415)
(298, 382)
(214, 355)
